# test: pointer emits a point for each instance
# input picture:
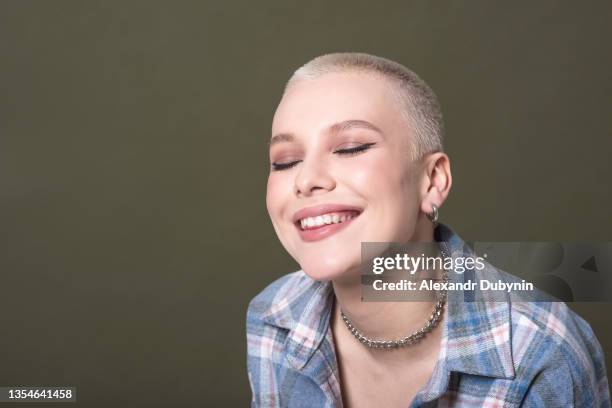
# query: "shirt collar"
(476, 334)
(304, 311)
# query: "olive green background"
(133, 165)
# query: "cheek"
(275, 195)
(376, 177)
(389, 187)
(276, 198)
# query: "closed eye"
(284, 166)
(347, 151)
(354, 150)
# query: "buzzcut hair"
(419, 104)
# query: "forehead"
(313, 104)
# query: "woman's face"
(341, 172)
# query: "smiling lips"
(316, 223)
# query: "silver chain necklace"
(411, 339)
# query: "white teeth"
(325, 219)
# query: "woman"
(356, 156)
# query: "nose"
(313, 177)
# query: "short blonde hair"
(420, 106)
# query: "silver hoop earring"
(433, 215)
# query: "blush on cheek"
(376, 176)
(274, 194)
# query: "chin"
(326, 268)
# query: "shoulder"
(557, 350)
(539, 320)
(278, 294)
(283, 330)
(294, 307)
(550, 326)
(267, 326)
(554, 352)
(290, 301)
(554, 321)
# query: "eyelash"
(348, 152)
(356, 149)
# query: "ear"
(437, 181)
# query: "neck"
(381, 320)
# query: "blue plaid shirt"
(493, 354)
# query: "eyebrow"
(282, 137)
(353, 123)
(335, 128)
